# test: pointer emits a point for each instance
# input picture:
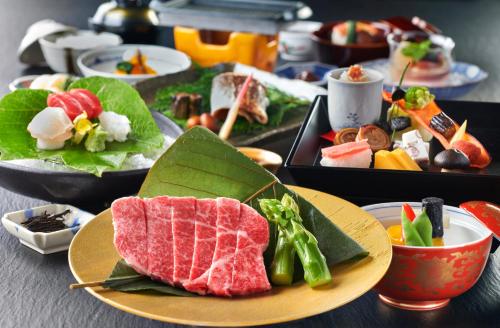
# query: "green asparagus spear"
(286, 215)
(283, 263)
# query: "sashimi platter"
(214, 239)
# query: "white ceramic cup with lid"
(353, 104)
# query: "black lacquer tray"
(365, 186)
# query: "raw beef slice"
(130, 239)
(228, 217)
(183, 220)
(204, 245)
(160, 245)
(249, 273)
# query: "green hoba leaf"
(125, 279)
(200, 164)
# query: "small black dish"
(79, 188)
(366, 186)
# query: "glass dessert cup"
(426, 278)
(435, 64)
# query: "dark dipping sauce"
(46, 222)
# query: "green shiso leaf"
(279, 102)
(125, 279)
(417, 50)
(18, 108)
(200, 164)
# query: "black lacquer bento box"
(365, 186)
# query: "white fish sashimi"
(51, 127)
(117, 126)
(225, 89)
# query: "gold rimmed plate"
(92, 256)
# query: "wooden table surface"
(34, 288)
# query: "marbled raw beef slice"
(204, 245)
(130, 238)
(183, 214)
(249, 272)
(228, 217)
(160, 242)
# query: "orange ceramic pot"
(426, 278)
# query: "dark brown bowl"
(330, 53)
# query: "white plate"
(103, 62)
(46, 242)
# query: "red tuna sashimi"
(130, 239)
(160, 245)
(204, 245)
(249, 272)
(71, 106)
(347, 148)
(89, 101)
(221, 271)
(183, 213)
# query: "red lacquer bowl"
(345, 55)
(426, 278)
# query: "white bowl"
(46, 242)
(462, 229)
(103, 62)
(29, 51)
(61, 50)
(295, 41)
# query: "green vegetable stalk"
(282, 267)
(411, 235)
(286, 215)
(424, 227)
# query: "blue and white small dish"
(320, 70)
(461, 80)
(46, 242)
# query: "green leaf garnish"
(125, 279)
(417, 50)
(18, 108)
(125, 66)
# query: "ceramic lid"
(29, 51)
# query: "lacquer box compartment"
(365, 186)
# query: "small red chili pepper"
(409, 211)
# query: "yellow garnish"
(460, 134)
(82, 126)
(395, 232)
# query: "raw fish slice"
(130, 238)
(347, 148)
(205, 233)
(249, 273)
(71, 106)
(183, 213)
(225, 89)
(89, 102)
(360, 159)
(228, 217)
(160, 242)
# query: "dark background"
(34, 288)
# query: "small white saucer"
(46, 242)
